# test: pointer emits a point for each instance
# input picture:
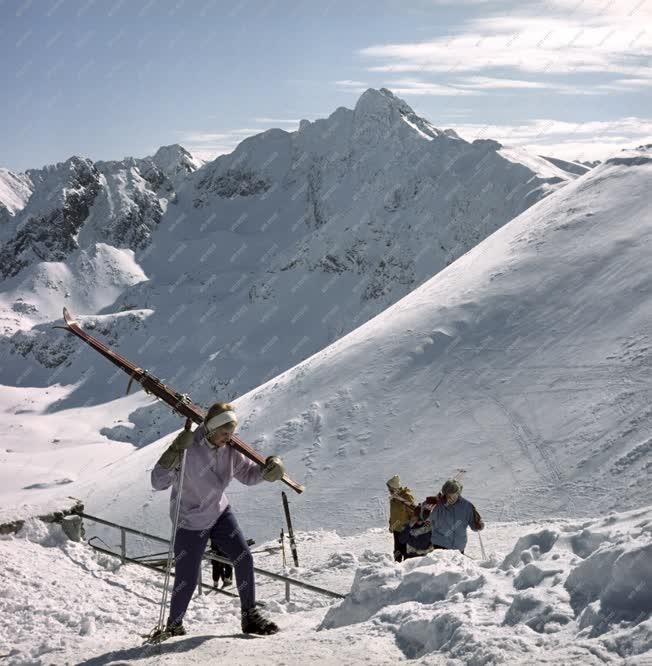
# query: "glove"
(480, 526)
(182, 441)
(274, 469)
(172, 456)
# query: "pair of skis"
(180, 402)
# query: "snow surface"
(540, 165)
(525, 363)
(15, 189)
(563, 592)
(43, 454)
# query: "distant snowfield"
(560, 592)
(45, 453)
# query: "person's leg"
(227, 536)
(398, 553)
(227, 574)
(218, 567)
(226, 533)
(189, 546)
(402, 547)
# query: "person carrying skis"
(205, 512)
(450, 514)
(401, 508)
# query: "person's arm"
(409, 497)
(250, 473)
(425, 509)
(246, 471)
(475, 522)
(162, 478)
(168, 465)
(428, 505)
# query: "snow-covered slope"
(259, 259)
(555, 170)
(525, 363)
(566, 592)
(15, 190)
(578, 168)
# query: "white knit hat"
(394, 483)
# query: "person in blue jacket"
(450, 515)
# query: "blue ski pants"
(189, 546)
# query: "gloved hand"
(274, 468)
(173, 454)
(182, 441)
(480, 525)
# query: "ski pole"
(161, 617)
(293, 543)
(484, 555)
(287, 585)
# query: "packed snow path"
(569, 592)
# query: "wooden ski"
(180, 402)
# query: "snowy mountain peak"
(174, 159)
(55, 181)
(384, 109)
(380, 104)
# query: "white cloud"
(419, 87)
(488, 82)
(205, 137)
(573, 141)
(583, 37)
(209, 145)
(278, 121)
(347, 85)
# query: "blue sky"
(571, 78)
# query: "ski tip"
(67, 317)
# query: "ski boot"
(157, 635)
(176, 629)
(255, 623)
